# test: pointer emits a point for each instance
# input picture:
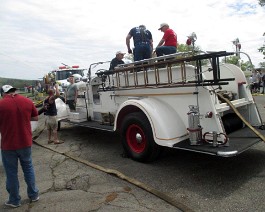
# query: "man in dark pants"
(16, 113)
(143, 43)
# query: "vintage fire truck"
(61, 75)
(171, 101)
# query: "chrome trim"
(227, 154)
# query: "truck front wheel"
(137, 138)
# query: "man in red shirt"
(16, 112)
(168, 43)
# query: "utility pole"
(238, 47)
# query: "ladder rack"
(154, 67)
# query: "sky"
(38, 36)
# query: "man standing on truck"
(71, 94)
(143, 43)
(117, 60)
(168, 43)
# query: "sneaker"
(12, 205)
(35, 199)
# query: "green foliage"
(246, 66)
(262, 3)
(262, 49)
(262, 65)
(184, 48)
(18, 83)
(236, 61)
(188, 48)
(231, 59)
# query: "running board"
(91, 124)
(239, 141)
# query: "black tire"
(58, 126)
(137, 138)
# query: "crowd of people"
(257, 82)
(143, 44)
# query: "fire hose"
(122, 176)
(241, 117)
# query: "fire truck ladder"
(124, 72)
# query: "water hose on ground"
(122, 176)
(241, 117)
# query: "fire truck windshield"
(64, 74)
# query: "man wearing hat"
(168, 43)
(143, 43)
(117, 60)
(16, 112)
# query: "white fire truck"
(168, 102)
(61, 75)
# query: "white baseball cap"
(8, 88)
(162, 25)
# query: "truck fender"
(167, 126)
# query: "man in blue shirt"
(143, 43)
(117, 60)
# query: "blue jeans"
(165, 50)
(10, 162)
(141, 52)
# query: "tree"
(262, 3)
(189, 48)
(246, 66)
(231, 59)
(262, 49)
(236, 60)
(262, 65)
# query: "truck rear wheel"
(137, 138)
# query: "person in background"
(1, 92)
(263, 81)
(256, 78)
(117, 60)
(71, 94)
(251, 84)
(168, 43)
(16, 113)
(143, 43)
(50, 112)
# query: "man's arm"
(128, 38)
(34, 114)
(76, 93)
(36, 118)
(160, 42)
(57, 93)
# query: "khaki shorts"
(51, 122)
